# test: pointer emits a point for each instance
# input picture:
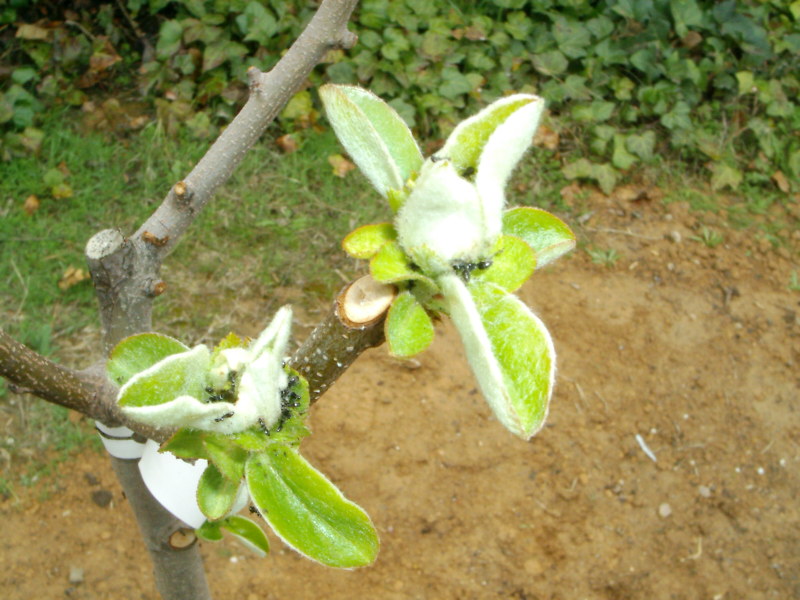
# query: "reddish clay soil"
(694, 349)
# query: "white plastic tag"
(119, 442)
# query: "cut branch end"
(364, 302)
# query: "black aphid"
(220, 418)
(464, 269)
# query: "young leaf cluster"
(257, 457)
(452, 247)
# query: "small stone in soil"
(664, 510)
(90, 478)
(75, 575)
(102, 498)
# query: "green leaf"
(604, 175)
(454, 84)
(518, 25)
(169, 39)
(642, 145)
(217, 53)
(594, 112)
(686, 14)
(209, 531)
(216, 493)
(227, 456)
(550, 63)
(622, 159)
(724, 175)
(501, 121)
(365, 241)
(187, 443)
(572, 37)
(308, 512)
(247, 532)
(509, 350)
(177, 375)
(513, 263)
(257, 23)
(300, 106)
(679, 117)
(545, 233)
(409, 329)
(139, 352)
(390, 265)
(374, 135)
(251, 440)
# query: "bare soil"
(696, 350)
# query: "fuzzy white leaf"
(187, 411)
(374, 135)
(503, 150)
(509, 350)
(444, 216)
(184, 377)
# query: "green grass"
(709, 237)
(606, 257)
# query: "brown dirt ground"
(694, 349)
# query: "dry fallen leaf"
(71, 277)
(287, 143)
(31, 204)
(341, 166)
(546, 138)
(780, 180)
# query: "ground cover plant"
(710, 82)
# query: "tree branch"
(354, 324)
(127, 270)
(89, 391)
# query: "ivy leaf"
(216, 493)
(550, 63)
(545, 233)
(169, 39)
(572, 37)
(409, 329)
(217, 53)
(139, 352)
(622, 159)
(642, 145)
(509, 350)
(374, 135)
(365, 241)
(308, 512)
(723, 175)
(248, 533)
(604, 175)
